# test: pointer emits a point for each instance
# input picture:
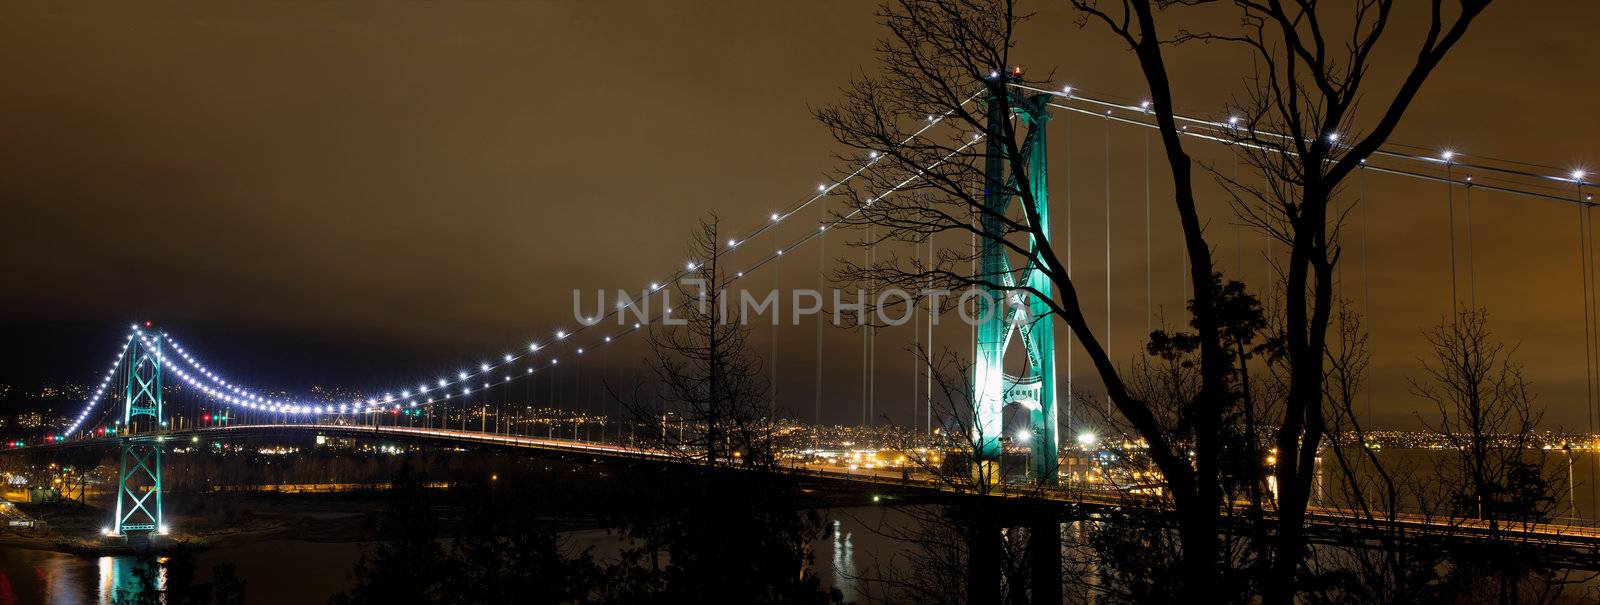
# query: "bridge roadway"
(1572, 544)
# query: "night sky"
(369, 193)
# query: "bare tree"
(710, 392)
(1487, 418)
(955, 553)
(950, 59)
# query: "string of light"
(100, 391)
(1226, 132)
(215, 386)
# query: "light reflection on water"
(37, 576)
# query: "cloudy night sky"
(364, 193)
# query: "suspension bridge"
(136, 410)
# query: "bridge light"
(507, 357)
(561, 334)
(462, 375)
(1447, 155)
(1577, 175)
(1066, 90)
(1087, 439)
(1333, 137)
(1145, 105)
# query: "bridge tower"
(139, 477)
(1012, 309)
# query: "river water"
(299, 571)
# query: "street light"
(1087, 440)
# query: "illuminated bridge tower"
(139, 479)
(1016, 311)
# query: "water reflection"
(844, 562)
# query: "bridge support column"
(983, 561)
(1044, 560)
(139, 489)
(1016, 300)
(139, 478)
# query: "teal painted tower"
(139, 477)
(1010, 309)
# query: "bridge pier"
(1044, 560)
(983, 561)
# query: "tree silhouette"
(705, 378)
(942, 55)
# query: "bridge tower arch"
(139, 475)
(1010, 308)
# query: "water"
(317, 570)
(1575, 480)
(853, 545)
(300, 571)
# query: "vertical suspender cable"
(1472, 275)
(927, 377)
(777, 316)
(1238, 246)
(866, 262)
(1586, 214)
(916, 341)
(1067, 130)
(1366, 283)
(822, 255)
(872, 339)
(1588, 321)
(1147, 308)
(1450, 209)
(1108, 234)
